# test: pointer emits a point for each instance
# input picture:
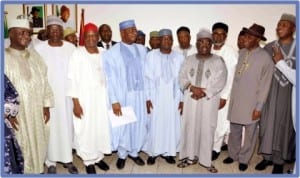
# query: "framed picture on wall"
(37, 13)
(68, 14)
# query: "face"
(184, 39)
(204, 46)
(154, 42)
(241, 42)
(166, 42)
(219, 36)
(35, 14)
(140, 40)
(91, 39)
(105, 33)
(251, 41)
(19, 38)
(72, 38)
(55, 32)
(285, 29)
(129, 35)
(65, 15)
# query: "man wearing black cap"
(36, 19)
(249, 92)
(277, 134)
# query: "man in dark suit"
(36, 19)
(105, 35)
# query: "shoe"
(71, 168)
(121, 163)
(137, 160)
(51, 170)
(212, 169)
(224, 148)
(151, 160)
(214, 155)
(90, 169)
(243, 167)
(169, 159)
(290, 171)
(102, 165)
(263, 164)
(277, 169)
(228, 160)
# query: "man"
(184, 39)
(56, 54)
(249, 92)
(28, 73)
(124, 66)
(154, 40)
(37, 21)
(163, 100)
(141, 36)
(230, 56)
(70, 36)
(277, 135)
(202, 77)
(105, 36)
(87, 87)
(241, 40)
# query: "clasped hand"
(197, 93)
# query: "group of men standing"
(186, 100)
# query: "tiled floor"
(162, 167)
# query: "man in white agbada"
(163, 100)
(87, 87)
(184, 39)
(28, 73)
(202, 77)
(56, 54)
(230, 56)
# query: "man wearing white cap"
(202, 77)
(124, 67)
(70, 36)
(28, 73)
(163, 100)
(56, 54)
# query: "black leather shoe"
(137, 160)
(263, 164)
(214, 155)
(151, 160)
(228, 160)
(224, 148)
(71, 168)
(243, 167)
(102, 165)
(277, 169)
(90, 169)
(169, 159)
(121, 163)
(51, 170)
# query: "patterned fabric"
(13, 159)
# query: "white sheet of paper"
(128, 116)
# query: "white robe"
(190, 51)
(230, 57)
(86, 81)
(165, 95)
(61, 124)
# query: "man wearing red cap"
(87, 87)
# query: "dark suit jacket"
(100, 44)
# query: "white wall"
(150, 17)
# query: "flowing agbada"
(61, 122)
(86, 81)
(162, 85)
(199, 119)
(28, 73)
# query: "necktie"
(107, 46)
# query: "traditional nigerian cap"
(69, 31)
(140, 33)
(54, 20)
(288, 17)
(220, 25)
(18, 23)
(165, 32)
(126, 24)
(90, 27)
(204, 33)
(154, 34)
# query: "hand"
(277, 54)
(197, 92)
(14, 122)
(77, 110)
(46, 114)
(256, 115)
(149, 106)
(222, 103)
(180, 107)
(117, 109)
